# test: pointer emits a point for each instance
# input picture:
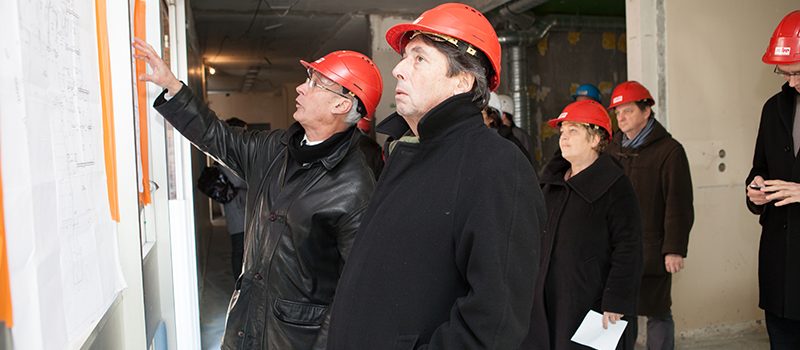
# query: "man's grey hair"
(477, 66)
(356, 111)
(354, 115)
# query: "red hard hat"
(354, 71)
(586, 111)
(455, 20)
(784, 46)
(629, 91)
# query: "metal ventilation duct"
(515, 43)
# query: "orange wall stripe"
(5, 284)
(109, 142)
(140, 31)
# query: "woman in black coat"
(591, 245)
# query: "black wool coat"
(779, 251)
(446, 255)
(591, 252)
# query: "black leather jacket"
(298, 231)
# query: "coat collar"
(440, 120)
(332, 159)
(658, 133)
(786, 105)
(591, 183)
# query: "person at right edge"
(773, 191)
(658, 167)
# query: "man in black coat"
(308, 188)
(773, 191)
(446, 256)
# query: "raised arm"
(236, 148)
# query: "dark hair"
(494, 115)
(459, 61)
(236, 122)
(510, 118)
(642, 104)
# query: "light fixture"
(211, 70)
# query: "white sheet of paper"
(592, 334)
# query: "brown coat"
(659, 171)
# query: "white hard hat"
(506, 104)
(494, 102)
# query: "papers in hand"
(592, 334)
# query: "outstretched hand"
(161, 75)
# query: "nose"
(399, 69)
(301, 87)
(794, 81)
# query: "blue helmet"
(588, 90)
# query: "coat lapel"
(786, 107)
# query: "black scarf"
(310, 154)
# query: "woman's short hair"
(594, 130)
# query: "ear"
(595, 141)
(464, 83)
(343, 106)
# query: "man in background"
(658, 168)
(234, 210)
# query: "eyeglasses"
(314, 80)
(786, 75)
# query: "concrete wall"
(714, 84)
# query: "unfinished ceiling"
(254, 45)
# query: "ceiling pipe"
(511, 8)
(515, 43)
(544, 25)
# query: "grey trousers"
(660, 332)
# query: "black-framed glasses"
(314, 80)
(786, 74)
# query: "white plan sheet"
(592, 334)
